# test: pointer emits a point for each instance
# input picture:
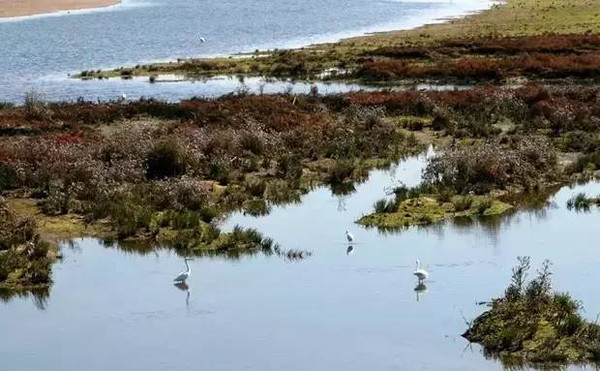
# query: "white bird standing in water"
(420, 273)
(124, 96)
(350, 237)
(184, 275)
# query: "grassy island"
(470, 181)
(532, 325)
(425, 210)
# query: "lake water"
(38, 52)
(113, 309)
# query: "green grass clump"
(534, 325)
(463, 203)
(484, 204)
(385, 206)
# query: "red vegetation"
(555, 56)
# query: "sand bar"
(19, 8)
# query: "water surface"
(39, 52)
(112, 309)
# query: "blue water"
(39, 52)
(111, 309)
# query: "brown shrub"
(524, 161)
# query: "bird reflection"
(184, 287)
(350, 250)
(420, 289)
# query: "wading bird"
(124, 96)
(420, 273)
(350, 237)
(184, 275)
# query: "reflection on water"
(327, 312)
(420, 289)
(39, 296)
(350, 250)
(185, 288)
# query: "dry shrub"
(525, 161)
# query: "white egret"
(420, 273)
(350, 237)
(123, 96)
(184, 275)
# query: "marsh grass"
(586, 162)
(521, 162)
(533, 324)
(24, 256)
(385, 206)
(484, 204)
(463, 203)
(340, 172)
(34, 106)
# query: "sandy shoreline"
(20, 8)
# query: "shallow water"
(175, 88)
(111, 309)
(39, 52)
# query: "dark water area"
(39, 52)
(114, 309)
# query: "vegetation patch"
(167, 173)
(425, 210)
(518, 38)
(533, 325)
(526, 162)
(25, 259)
(469, 181)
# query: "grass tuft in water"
(532, 324)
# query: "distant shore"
(20, 8)
(405, 55)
